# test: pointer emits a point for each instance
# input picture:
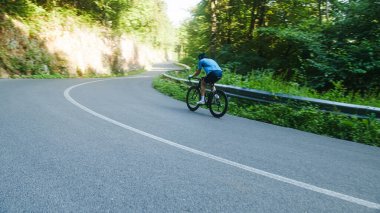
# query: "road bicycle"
(216, 100)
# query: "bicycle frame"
(209, 92)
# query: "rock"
(3, 73)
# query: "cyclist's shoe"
(216, 96)
(201, 102)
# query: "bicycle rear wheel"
(192, 97)
(218, 103)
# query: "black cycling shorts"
(212, 78)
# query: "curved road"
(85, 145)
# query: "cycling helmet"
(202, 56)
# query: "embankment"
(69, 45)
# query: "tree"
(214, 27)
(315, 41)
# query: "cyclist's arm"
(196, 72)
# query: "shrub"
(266, 80)
(307, 118)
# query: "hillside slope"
(67, 44)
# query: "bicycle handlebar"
(195, 78)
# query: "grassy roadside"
(307, 118)
(264, 80)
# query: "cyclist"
(213, 74)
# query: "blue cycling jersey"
(209, 65)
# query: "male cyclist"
(213, 74)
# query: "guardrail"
(268, 97)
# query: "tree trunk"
(327, 10)
(253, 20)
(320, 11)
(214, 28)
(229, 21)
(262, 12)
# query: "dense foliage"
(266, 81)
(312, 42)
(145, 19)
(308, 118)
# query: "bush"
(267, 81)
(22, 8)
(306, 118)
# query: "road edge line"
(280, 178)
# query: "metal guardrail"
(268, 97)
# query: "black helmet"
(202, 56)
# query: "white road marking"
(219, 159)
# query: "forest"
(146, 19)
(315, 43)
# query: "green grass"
(42, 76)
(264, 80)
(307, 118)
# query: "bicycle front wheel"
(218, 104)
(192, 97)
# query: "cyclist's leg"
(211, 79)
(206, 80)
(203, 87)
(202, 91)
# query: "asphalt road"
(117, 145)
